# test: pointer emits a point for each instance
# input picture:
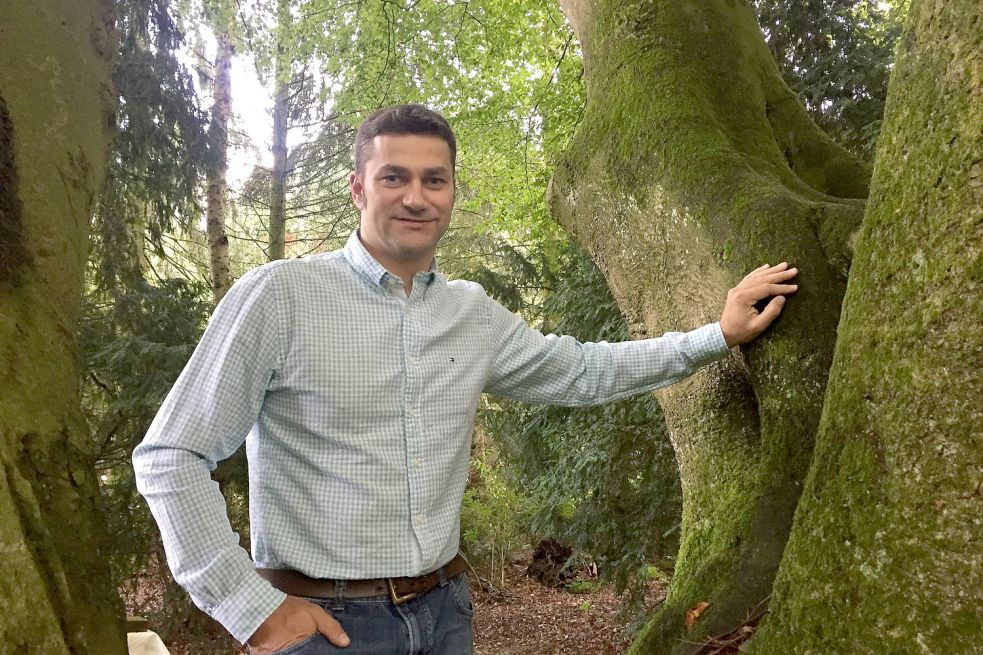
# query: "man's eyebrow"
(393, 168)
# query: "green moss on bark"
(57, 593)
(885, 556)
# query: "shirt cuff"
(247, 607)
(706, 344)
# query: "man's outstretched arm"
(562, 371)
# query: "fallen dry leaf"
(694, 613)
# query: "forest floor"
(514, 615)
(524, 617)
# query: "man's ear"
(358, 190)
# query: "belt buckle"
(395, 597)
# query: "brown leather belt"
(399, 590)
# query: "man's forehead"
(405, 150)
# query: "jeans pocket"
(301, 647)
(462, 594)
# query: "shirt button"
(413, 360)
(419, 519)
(416, 461)
(412, 412)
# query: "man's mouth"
(407, 219)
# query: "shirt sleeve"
(538, 368)
(204, 419)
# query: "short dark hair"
(401, 119)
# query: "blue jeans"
(436, 623)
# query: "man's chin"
(416, 249)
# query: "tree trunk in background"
(278, 182)
(218, 137)
(281, 111)
(885, 554)
(694, 164)
(232, 473)
(56, 117)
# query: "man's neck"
(404, 270)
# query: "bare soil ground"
(526, 618)
(515, 615)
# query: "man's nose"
(413, 197)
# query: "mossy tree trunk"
(56, 118)
(885, 555)
(694, 164)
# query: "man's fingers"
(779, 273)
(769, 268)
(328, 626)
(750, 295)
(782, 289)
(761, 270)
(782, 275)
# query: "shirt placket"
(413, 424)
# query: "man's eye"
(390, 178)
(435, 181)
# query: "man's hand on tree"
(292, 622)
(741, 320)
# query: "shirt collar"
(366, 265)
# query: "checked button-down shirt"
(357, 408)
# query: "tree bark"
(694, 164)
(281, 111)
(885, 552)
(56, 118)
(218, 188)
(278, 181)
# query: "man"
(354, 378)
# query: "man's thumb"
(328, 626)
(771, 312)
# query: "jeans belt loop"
(339, 596)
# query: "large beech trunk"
(56, 119)
(694, 164)
(885, 553)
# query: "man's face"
(405, 194)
